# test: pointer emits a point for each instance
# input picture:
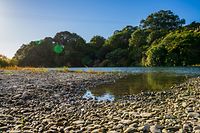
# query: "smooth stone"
(196, 128)
(169, 116)
(79, 122)
(15, 131)
(17, 96)
(193, 115)
(187, 128)
(155, 129)
(46, 121)
(68, 128)
(146, 115)
(28, 131)
(174, 129)
(134, 114)
(112, 131)
(184, 104)
(130, 130)
(4, 128)
(50, 131)
(127, 122)
(134, 125)
(189, 109)
(119, 126)
(145, 128)
(26, 95)
(96, 131)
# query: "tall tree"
(162, 20)
(120, 39)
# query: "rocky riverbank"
(52, 102)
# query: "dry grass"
(196, 65)
(44, 70)
(31, 69)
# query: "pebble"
(52, 102)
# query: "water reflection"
(135, 83)
(104, 97)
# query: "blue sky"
(22, 21)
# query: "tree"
(118, 57)
(74, 48)
(156, 56)
(178, 48)
(155, 35)
(120, 39)
(53, 52)
(97, 41)
(162, 20)
(138, 44)
(4, 61)
(193, 26)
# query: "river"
(139, 79)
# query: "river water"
(139, 79)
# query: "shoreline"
(52, 102)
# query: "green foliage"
(161, 40)
(50, 53)
(178, 48)
(155, 35)
(138, 44)
(97, 41)
(4, 61)
(117, 57)
(162, 19)
(156, 56)
(120, 39)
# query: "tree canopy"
(4, 61)
(160, 40)
(163, 19)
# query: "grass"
(196, 65)
(44, 70)
(31, 69)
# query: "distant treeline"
(161, 39)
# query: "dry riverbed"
(52, 102)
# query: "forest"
(161, 39)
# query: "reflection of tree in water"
(162, 81)
(135, 83)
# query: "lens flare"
(58, 48)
